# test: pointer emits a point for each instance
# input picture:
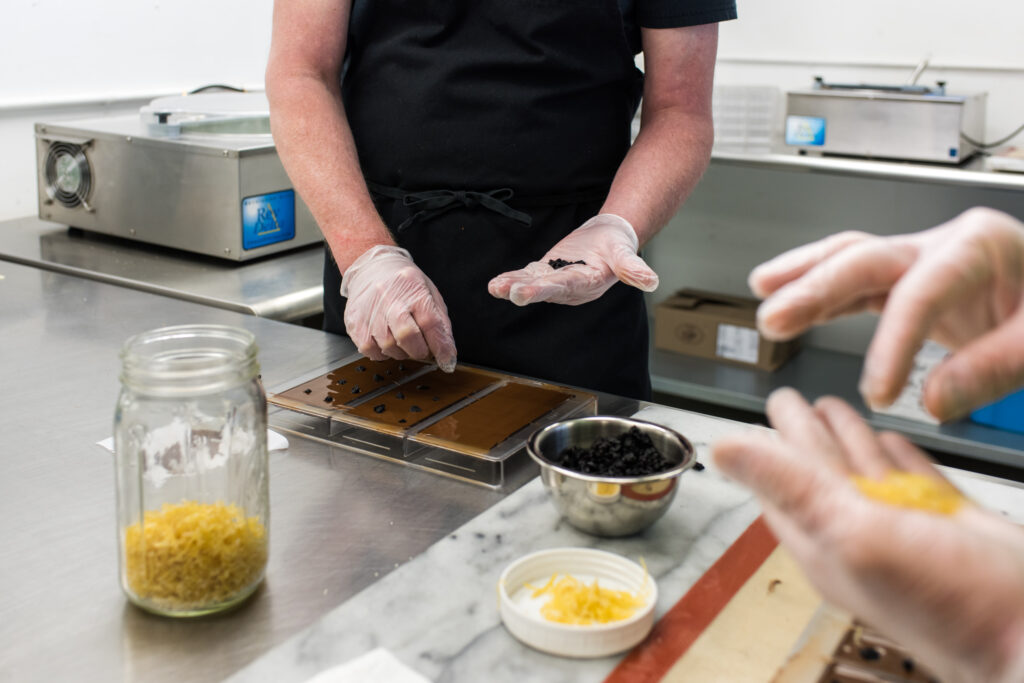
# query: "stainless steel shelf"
(815, 373)
(970, 174)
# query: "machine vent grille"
(68, 175)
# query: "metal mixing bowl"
(608, 506)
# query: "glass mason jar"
(190, 441)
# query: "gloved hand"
(394, 310)
(948, 587)
(961, 283)
(606, 243)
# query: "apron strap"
(432, 203)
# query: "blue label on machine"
(268, 219)
(805, 130)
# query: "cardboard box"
(717, 326)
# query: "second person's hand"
(606, 244)
(948, 586)
(961, 283)
(394, 310)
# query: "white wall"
(64, 59)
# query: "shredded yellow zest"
(193, 555)
(906, 489)
(574, 602)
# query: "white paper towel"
(378, 666)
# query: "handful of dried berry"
(631, 454)
(558, 263)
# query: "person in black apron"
(487, 131)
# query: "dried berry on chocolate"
(631, 454)
(379, 408)
(869, 653)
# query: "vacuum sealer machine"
(195, 172)
(906, 122)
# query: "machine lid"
(218, 113)
(939, 89)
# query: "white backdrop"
(69, 50)
(976, 33)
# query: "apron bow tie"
(432, 203)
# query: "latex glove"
(394, 310)
(961, 283)
(949, 587)
(606, 243)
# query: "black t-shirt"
(671, 14)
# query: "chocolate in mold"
(351, 382)
(450, 388)
(486, 422)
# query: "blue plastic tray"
(1007, 413)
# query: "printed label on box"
(910, 403)
(737, 343)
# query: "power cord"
(997, 143)
(216, 86)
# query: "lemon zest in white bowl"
(573, 601)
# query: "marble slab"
(438, 613)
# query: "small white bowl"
(521, 612)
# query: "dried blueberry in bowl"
(610, 476)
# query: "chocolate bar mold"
(357, 427)
(291, 394)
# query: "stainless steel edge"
(971, 174)
(285, 286)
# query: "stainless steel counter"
(285, 286)
(340, 521)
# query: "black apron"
(488, 130)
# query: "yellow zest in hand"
(574, 602)
(194, 554)
(906, 489)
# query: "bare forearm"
(676, 129)
(316, 147)
(660, 170)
